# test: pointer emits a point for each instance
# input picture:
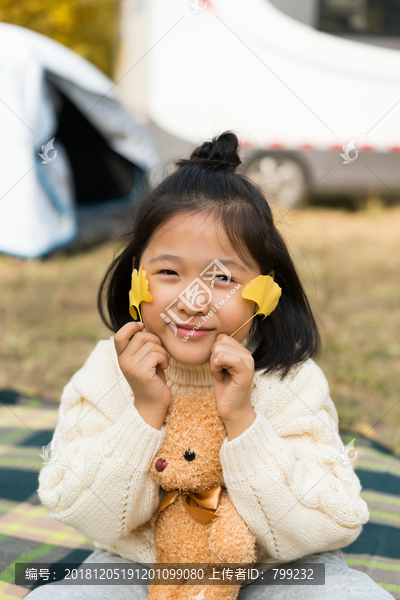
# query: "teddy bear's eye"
(189, 455)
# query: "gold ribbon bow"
(209, 499)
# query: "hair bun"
(218, 155)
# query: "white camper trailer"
(375, 22)
(317, 113)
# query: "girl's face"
(192, 290)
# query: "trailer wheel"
(283, 177)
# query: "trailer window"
(372, 17)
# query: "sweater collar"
(191, 375)
(188, 375)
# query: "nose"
(196, 304)
(160, 464)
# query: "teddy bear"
(196, 521)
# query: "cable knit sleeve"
(285, 474)
(99, 480)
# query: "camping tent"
(72, 158)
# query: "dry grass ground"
(349, 263)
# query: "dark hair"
(206, 183)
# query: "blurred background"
(112, 91)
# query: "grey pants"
(341, 583)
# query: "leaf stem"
(257, 313)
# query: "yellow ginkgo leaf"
(138, 293)
(265, 292)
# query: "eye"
(227, 279)
(189, 455)
(216, 278)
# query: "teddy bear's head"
(189, 459)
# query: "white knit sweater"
(284, 473)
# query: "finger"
(222, 338)
(225, 338)
(123, 335)
(221, 347)
(133, 337)
(140, 339)
(143, 350)
(144, 361)
(223, 364)
(153, 358)
(226, 360)
(219, 376)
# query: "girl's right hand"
(142, 359)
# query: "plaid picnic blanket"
(29, 535)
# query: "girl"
(206, 229)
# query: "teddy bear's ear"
(186, 403)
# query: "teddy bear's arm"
(230, 539)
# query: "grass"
(349, 263)
(48, 319)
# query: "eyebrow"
(225, 261)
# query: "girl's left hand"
(233, 377)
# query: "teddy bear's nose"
(160, 464)
(189, 455)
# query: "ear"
(272, 274)
(133, 262)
